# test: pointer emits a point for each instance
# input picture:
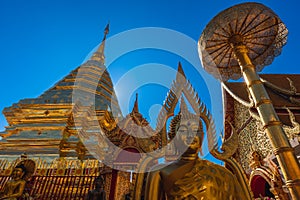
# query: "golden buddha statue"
(191, 177)
(14, 188)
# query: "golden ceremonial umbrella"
(252, 24)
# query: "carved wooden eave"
(282, 89)
(133, 131)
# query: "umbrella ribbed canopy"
(253, 25)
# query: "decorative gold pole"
(272, 125)
(238, 42)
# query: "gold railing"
(61, 179)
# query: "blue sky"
(43, 40)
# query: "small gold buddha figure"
(191, 177)
(98, 193)
(257, 160)
(14, 188)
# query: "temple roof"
(283, 90)
(133, 130)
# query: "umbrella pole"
(271, 123)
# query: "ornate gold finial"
(292, 86)
(106, 31)
(99, 54)
(136, 106)
(293, 131)
(135, 114)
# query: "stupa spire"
(99, 54)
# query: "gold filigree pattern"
(107, 184)
(252, 136)
(123, 185)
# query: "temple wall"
(251, 137)
(123, 185)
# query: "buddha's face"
(189, 134)
(17, 173)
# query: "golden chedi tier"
(44, 126)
